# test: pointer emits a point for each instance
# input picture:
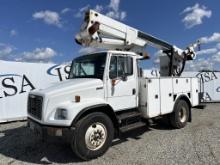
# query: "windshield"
(89, 66)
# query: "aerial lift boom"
(103, 32)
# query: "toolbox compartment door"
(166, 95)
(153, 97)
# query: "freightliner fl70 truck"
(106, 93)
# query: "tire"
(180, 116)
(93, 136)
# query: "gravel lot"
(197, 143)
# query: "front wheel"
(180, 116)
(93, 136)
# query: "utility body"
(106, 93)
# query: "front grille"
(35, 106)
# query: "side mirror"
(112, 75)
(124, 78)
(140, 72)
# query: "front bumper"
(48, 130)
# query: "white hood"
(71, 85)
(63, 94)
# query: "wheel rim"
(182, 114)
(95, 136)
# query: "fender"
(184, 97)
(105, 108)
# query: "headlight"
(61, 114)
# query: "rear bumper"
(48, 130)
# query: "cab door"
(122, 82)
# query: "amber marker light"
(77, 99)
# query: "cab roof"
(114, 52)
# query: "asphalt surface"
(197, 143)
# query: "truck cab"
(102, 78)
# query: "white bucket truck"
(106, 93)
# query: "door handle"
(133, 91)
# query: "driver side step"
(129, 120)
(132, 126)
(129, 115)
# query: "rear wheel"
(180, 116)
(93, 136)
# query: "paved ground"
(197, 143)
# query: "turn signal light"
(77, 99)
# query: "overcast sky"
(44, 30)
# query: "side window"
(113, 67)
(129, 66)
(120, 66)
